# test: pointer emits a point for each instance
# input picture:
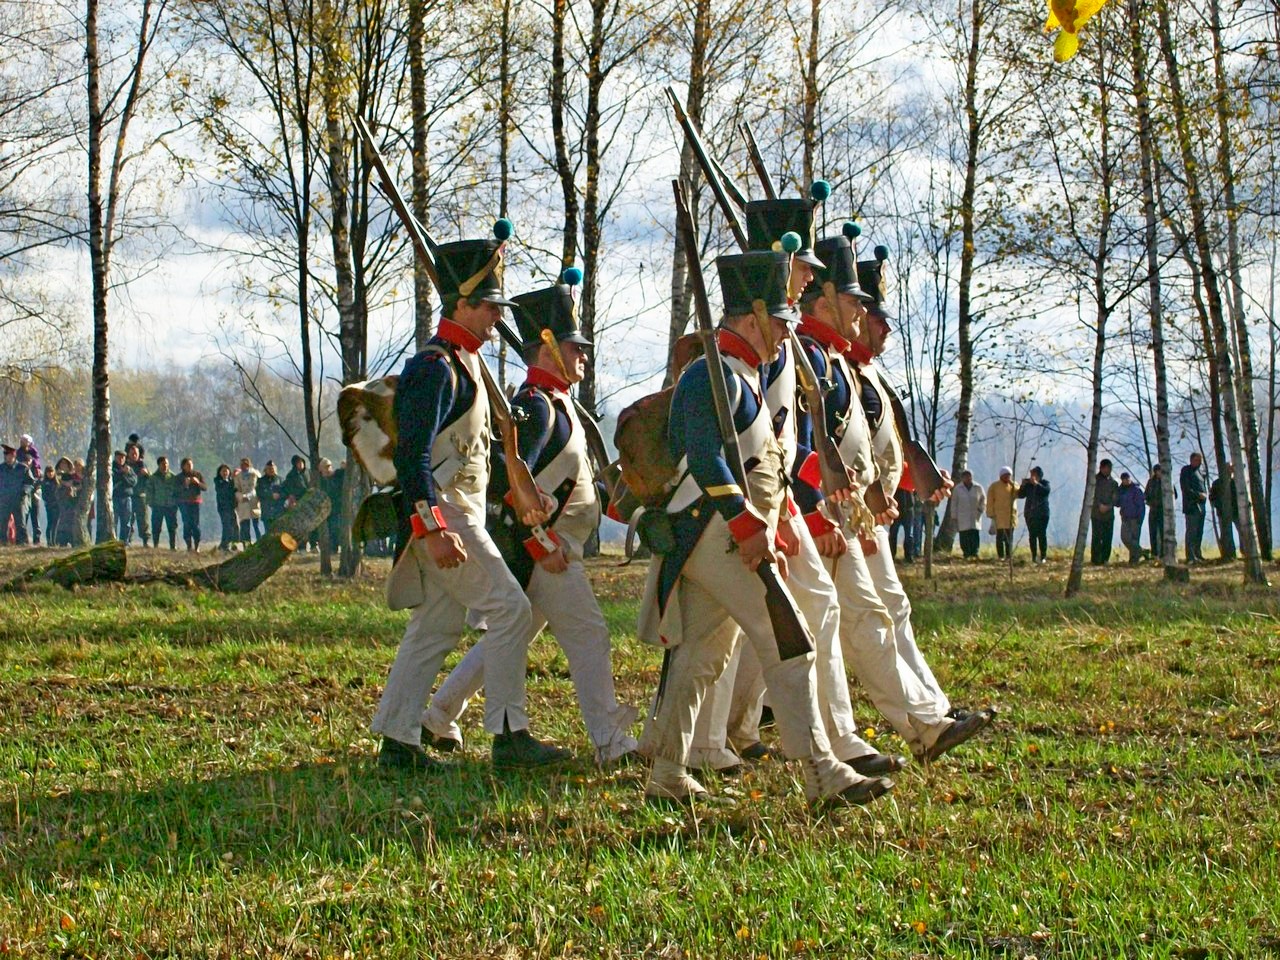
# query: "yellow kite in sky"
(1070, 16)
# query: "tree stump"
(99, 564)
(244, 571)
(1177, 573)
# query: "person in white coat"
(968, 507)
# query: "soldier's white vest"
(885, 442)
(755, 441)
(581, 513)
(855, 441)
(460, 453)
(780, 398)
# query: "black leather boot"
(513, 749)
(406, 756)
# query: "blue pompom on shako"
(572, 276)
(471, 270)
(820, 191)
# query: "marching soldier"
(548, 565)
(834, 313)
(731, 713)
(721, 533)
(888, 450)
(451, 565)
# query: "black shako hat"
(551, 308)
(873, 277)
(841, 268)
(756, 275)
(472, 269)
(768, 220)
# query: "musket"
(710, 170)
(789, 630)
(757, 161)
(525, 496)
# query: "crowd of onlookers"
(150, 500)
(997, 505)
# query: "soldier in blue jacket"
(548, 565)
(706, 585)
(451, 566)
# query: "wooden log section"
(103, 563)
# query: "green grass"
(189, 775)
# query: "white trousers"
(884, 574)
(719, 595)
(566, 603)
(730, 715)
(485, 586)
(870, 648)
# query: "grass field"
(189, 775)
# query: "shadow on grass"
(339, 813)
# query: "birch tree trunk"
(422, 326)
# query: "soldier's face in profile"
(877, 329)
(574, 356)
(778, 334)
(479, 318)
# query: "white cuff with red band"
(426, 519)
(543, 543)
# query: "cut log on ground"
(241, 573)
(100, 564)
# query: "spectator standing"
(1194, 495)
(1002, 508)
(66, 498)
(331, 482)
(1222, 495)
(248, 509)
(123, 482)
(1154, 497)
(190, 494)
(30, 456)
(968, 506)
(905, 523)
(270, 494)
(141, 490)
(1133, 507)
(1105, 493)
(224, 492)
(163, 492)
(49, 493)
(296, 484)
(16, 484)
(1035, 490)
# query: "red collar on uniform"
(860, 354)
(733, 345)
(815, 329)
(458, 335)
(544, 378)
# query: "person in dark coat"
(1035, 490)
(141, 490)
(905, 523)
(1194, 495)
(162, 490)
(66, 496)
(270, 494)
(224, 489)
(30, 456)
(331, 482)
(1133, 507)
(296, 484)
(1222, 495)
(49, 494)
(123, 482)
(190, 486)
(1105, 493)
(16, 484)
